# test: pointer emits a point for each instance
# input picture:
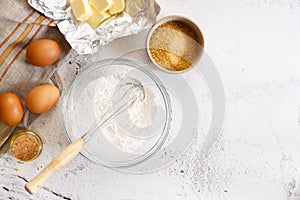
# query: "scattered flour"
(139, 113)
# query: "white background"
(255, 45)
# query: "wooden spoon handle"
(57, 163)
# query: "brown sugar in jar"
(174, 45)
(26, 145)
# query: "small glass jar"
(26, 145)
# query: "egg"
(11, 109)
(43, 52)
(42, 98)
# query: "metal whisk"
(125, 94)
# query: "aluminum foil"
(138, 15)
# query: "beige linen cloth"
(21, 25)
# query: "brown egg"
(42, 98)
(43, 52)
(11, 109)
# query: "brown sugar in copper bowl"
(175, 44)
(26, 145)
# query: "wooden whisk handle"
(57, 163)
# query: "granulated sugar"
(174, 46)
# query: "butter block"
(117, 7)
(81, 9)
(97, 18)
(101, 5)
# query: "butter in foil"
(137, 16)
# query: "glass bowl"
(116, 148)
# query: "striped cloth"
(21, 25)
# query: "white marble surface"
(255, 47)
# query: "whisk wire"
(103, 120)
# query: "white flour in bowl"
(139, 113)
